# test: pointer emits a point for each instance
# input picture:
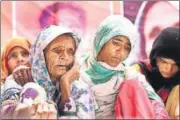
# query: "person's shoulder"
(142, 66)
(135, 67)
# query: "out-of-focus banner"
(28, 18)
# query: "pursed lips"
(62, 66)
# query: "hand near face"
(66, 80)
(23, 75)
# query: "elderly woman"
(104, 70)
(52, 55)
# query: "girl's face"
(167, 67)
(115, 51)
(17, 56)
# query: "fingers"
(22, 111)
(23, 76)
(19, 76)
(52, 112)
(7, 110)
(9, 102)
(30, 78)
(45, 111)
(16, 77)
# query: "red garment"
(133, 102)
(159, 110)
(163, 93)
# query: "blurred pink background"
(27, 18)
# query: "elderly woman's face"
(115, 51)
(59, 55)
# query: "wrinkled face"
(115, 51)
(167, 67)
(59, 55)
(17, 56)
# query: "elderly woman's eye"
(56, 51)
(71, 52)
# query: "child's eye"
(25, 54)
(13, 55)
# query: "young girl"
(15, 54)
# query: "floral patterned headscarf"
(39, 70)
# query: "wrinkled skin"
(59, 56)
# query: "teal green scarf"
(100, 74)
(112, 26)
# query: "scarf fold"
(99, 74)
(112, 26)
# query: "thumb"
(19, 108)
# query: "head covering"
(14, 42)
(110, 27)
(39, 70)
(167, 44)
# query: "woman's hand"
(23, 75)
(7, 108)
(66, 80)
(43, 110)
